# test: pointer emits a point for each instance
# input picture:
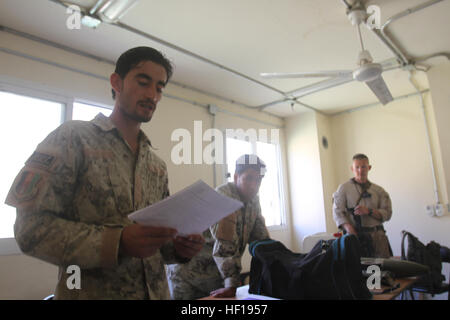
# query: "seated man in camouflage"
(216, 269)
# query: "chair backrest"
(310, 241)
(428, 255)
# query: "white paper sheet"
(191, 210)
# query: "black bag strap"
(411, 238)
(364, 188)
(404, 234)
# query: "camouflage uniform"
(73, 197)
(198, 277)
(346, 197)
(221, 255)
(233, 233)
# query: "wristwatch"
(370, 212)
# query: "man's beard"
(135, 116)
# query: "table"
(405, 284)
(242, 294)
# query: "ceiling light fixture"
(90, 22)
(112, 10)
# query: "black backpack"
(331, 270)
(428, 255)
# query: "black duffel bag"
(331, 270)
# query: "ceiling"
(244, 38)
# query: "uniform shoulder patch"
(27, 186)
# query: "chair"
(444, 287)
(310, 241)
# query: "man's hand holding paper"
(188, 247)
(143, 241)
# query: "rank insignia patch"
(41, 159)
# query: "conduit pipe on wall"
(427, 131)
(387, 39)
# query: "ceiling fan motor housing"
(368, 72)
(357, 16)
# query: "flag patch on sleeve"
(26, 187)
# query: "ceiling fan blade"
(319, 86)
(379, 87)
(318, 74)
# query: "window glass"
(235, 149)
(270, 196)
(87, 112)
(24, 122)
(269, 192)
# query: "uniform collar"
(105, 123)
(362, 185)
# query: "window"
(270, 192)
(24, 122)
(87, 112)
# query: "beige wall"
(18, 272)
(439, 79)
(328, 167)
(305, 178)
(394, 139)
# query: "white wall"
(328, 167)
(439, 79)
(393, 137)
(305, 178)
(18, 272)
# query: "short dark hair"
(360, 156)
(132, 57)
(250, 161)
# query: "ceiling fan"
(368, 71)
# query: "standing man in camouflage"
(76, 190)
(360, 207)
(216, 270)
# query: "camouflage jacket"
(73, 197)
(197, 278)
(233, 233)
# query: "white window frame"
(283, 226)
(8, 246)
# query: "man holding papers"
(75, 192)
(216, 269)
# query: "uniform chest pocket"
(123, 189)
(105, 192)
(153, 180)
